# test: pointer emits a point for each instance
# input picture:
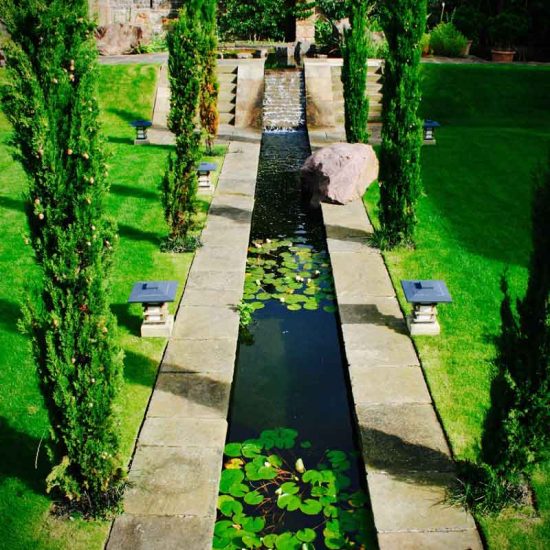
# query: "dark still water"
(292, 476)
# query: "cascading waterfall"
(284, 100)
(292, 475)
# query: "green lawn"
(126, 93)
(474, 223)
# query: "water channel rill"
(292, 475)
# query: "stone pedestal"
(158, 330)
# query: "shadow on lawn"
(135, 234)
(19, 455)
(10, 313)
(135, 192)
(13, 204)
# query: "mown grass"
(474, 225)
(125, 93)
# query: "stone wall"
(151, 15)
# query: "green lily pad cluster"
(291, 272)
(265, 481)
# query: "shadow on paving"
(369, 314)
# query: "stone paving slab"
(374, 346)
(210, 297)
(407, 458)
(206, 279)
(206, 323)
(166, 481)
(191, 395)
(359, 275)
(388, 385)
(162, 532)
(379, 311)
(176, 468)
(183, 432)
(400, 438)
(448, 540)
(415, 502)
(200, 356)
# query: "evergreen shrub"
(50, 101)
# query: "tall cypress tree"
(404, 22)
(185, 46)
(50, 102)
(209, 86)
(517, 435)
(354, 73)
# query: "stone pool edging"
(407, 458)
(174, 475)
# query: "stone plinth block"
(388, 385)
(158, 330)
(206, 323)
(173, 481)
(156, 532)
(402, 438)
(200, 356)
(193, 395)
(415, 502)
(431, 540)
(376, 345)
(184, 432)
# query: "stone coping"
(409, 467)
(170, 502)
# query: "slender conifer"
(50, 101)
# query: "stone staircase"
(374, 92)
(227, 99)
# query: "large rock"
(118, 39)
(340, 173)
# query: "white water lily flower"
(267, 464)
(300, 468)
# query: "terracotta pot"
(466, 50)
(502, 56)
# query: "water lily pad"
(289, 502)
(311, 306)
(257, 305)
(329, 309)
(228, 506)
(232, 449)
(294, 307)
(306, 535)
(290, 488)
(311, 507)
(253, 498)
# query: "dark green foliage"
(179, 185)
(354, 74)
(447, 40)
(404, 24)
(517, 435)
(51, 104)
(253, 19)
(209, 86)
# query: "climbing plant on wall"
(50, 101)
(354, 73)
(179, 186)
(404, 22)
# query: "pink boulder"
(340, 173)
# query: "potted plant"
(506, 29)
(469, 21)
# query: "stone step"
(226, 107)
(227, 79)
(227, 118)
(221, 69)
(228, 90)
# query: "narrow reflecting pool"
(292, 475)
